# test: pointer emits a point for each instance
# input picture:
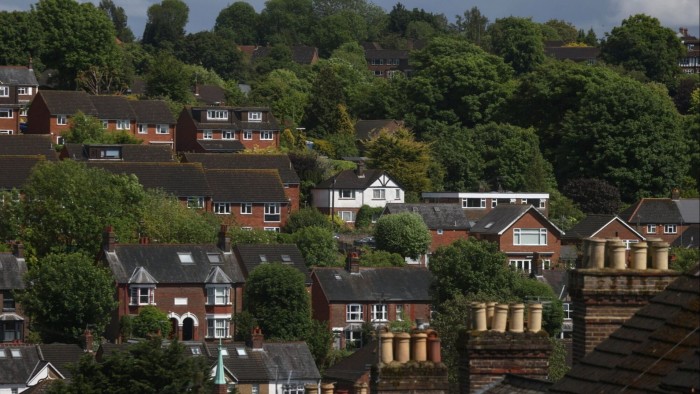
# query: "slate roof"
(178, 179)
(593, 223)
(291, 360)
(226, 146)
(62, 356)
(689, 210)
(248, 368)
(245, 186)
(690, 238)
(68, 102)
(558, 280)
(250, 257)
(503, 216)
(130, 152)
(18, 370)
(371, 284)
(17, 75)
(12, 271)
(161, 261)
(366, 129)
(152, 112)
(655, 351)
(515, 384)
(281, 163)
(113, 107)
(353, 367)
(435, 216)
(652, 211)
(210, 94)
(16, 170)
(348, 179)
(386, 53)
(28, 144)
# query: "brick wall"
(40, 118)
(256, 220)
(446, 238)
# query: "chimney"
(87, 341)
(143, 240)
(605, 294)
(109, 239)
(31, 64)
(352, 263)
(327, 388)
(224, 241)
(18, 250)
(676, 194)
(360, 170)
(258, 339)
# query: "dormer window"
(255, 116)
(142, 295)
(218, 295)
(217, 114)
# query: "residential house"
(210, 94)
(478, 204)
(23, 367)
(447, 222)
(689, 233)
(598, 226)
(251, 199)
(199, 286)
(153, 122)
(346, 192)
(27, 145)
(118, 152)
(50, 111)
(226, 129)
(12, 270)
(346, 298)
(353, 371)
(18, 86)
(251, 256)
(665, 218)
(690, 63)
(386, 63)
(521, 232)
(232, 161)
(115, 113)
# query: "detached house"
(478, 204)
(18, 86)
(597, 226)
(665, 218)
(447, 222)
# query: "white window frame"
(217, 114)
(228, 135)
(255, 116)
(218, 295)
(273, 229)
(6, 132)
(521, 264)
(346, 216)
(266, 135)
(195, 202)
(670, 229)
(24, 111)
(246, 208)
(222, 208)
(6, 113)
(105, 124)
(379, 194)
(142, 128)
(207, 135)
(247, 135)
(398, 194)
(142, 295)
(543, 203)
(61, 120)
(162, 129)
(651, 229)
(24, 90)
(346, 194)
(519, 233)
(400, 312)
(4, 91)
(380, 312)
(354, 313)
(466, 202)
(293, 388)
(123, 124)
(218, 328)
(353, 338)
(439, 231)
(273, 209)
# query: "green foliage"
(250, 237)
(11, 214)
(403, 233)
(213, 51)
(565, 31)
(118, 17)
(518, 41)
(453, 147)
(473, 25)
(284, 93)
(20, 38)
(86, 129)
(593, 195)
(563, 212)
(150, 321)
(238, 21)
(381, 258)
(683, 259)
(306, 217)
(286, 21)
(366, 216)
(245, 323)
(165, 27)
(168, 78)
(557, 361)
(60, 303)
(322, 113)
(319, 339)
(529, 289)
(452, 317)
(400, 326)
(317, 245)
(164, 219)
(275, 294)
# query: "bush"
(306, 217)
(403, 233)
(318, 246)
(366, 215)
(381, 258)
(149, 321)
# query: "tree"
(167, 77)
(322, 116)
(150, 321)
(565, 30)
(284, 93)
(317, 245)
(86, 129)
(642, 44)
(306, 217)
(165, 27)
(403, 233)
(286, 21)
(334, 30)
(238, 21)
(164, 219)
(518, 41)
(58, 301)
(275, 294)
(11, 214)
(118, 17)
(453, 147)
(21, 38)
(473, 25)
(593, 195)
(381, 258)
(213, 51)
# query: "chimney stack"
(87, 341)
(353, 263)
(258, 339)
(109, 239)
(224, 241)
(360, 170)
(18, 250)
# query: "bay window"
(142, 295)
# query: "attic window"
(16, 353)
(2, 353)
(286, 258)
(337, 277)
(224, 351)
(214, 258)
(263, 258)
(196, 351)
(185, 258)
(241, 352)
(437, 209)
(489, 224)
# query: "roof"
(301, 54)
(503, 216)
(656, 350)
(515, 384)
(27, 144)
(277, 162)
(292, 360)
(178, 179)
(210, 94)
(113, 107)
(690, 238)
(129, 152)
(247, 367)
(198, 114)
(652, 211)
(557, 280)
(162, 263)
(366, 129)
(246, 186)
(16, 170)
(590, 225)
(353, 367)
(62, 356)
(228, 146)
(12, 271)
(18, 370)
(152, 112)
(348, 179)
(251, 256)
(68, 102)
(572, 53)
(17, 75)
(435, 216)
(386, 53)
(375, 284)
(689, 209)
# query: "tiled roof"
(62, 356)
(162, 262)
(515, 384)
(227, 146)
(690, 238)
(222, 161)
(68, 102)
(386, 53)
(689, 209)
(12, 271)
(17, 75)
(435, 216)
(113, 107)
(655, 351)
(159, 153)
(353, 367)
(178, 179)
(27, 144)
(503, 216)
(210, 94)
(248, 367)
(152, 112)
(16, 170)
(251, 256)
(592, 223)
(366, 129)
(246, 186)
(652, 211)
(348, 179)
(18, 370)
(293, 360)
(373, 284)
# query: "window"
(254, 116)
(228, 135)
(530, 236)
(670, 229)
(207, 134)
(651, 229)
(60, 140)
(4, 91)
(162, 129)
(195, 202)
(353, 339)
(111, 153)
(346, 216)
(399, 312)
(142, 295)
(567, 310)
(347, 194)
(218, 295)
(494, 203)
(105, 124)
(378, 73)
(274, 229)
(247, 208)
(123, 124)
(6, 132)
(8, 301)
(61, 120)
(439, 231)
(247, 134)
(222, 208)
(397, 196)
(521, 265)
(353, 312)
(542, 202)
(217, 328)
(180, 301)
(24, 91)
(380, 312)
(293, 388)
(255, 389)
(266, 135)
(24, 111)
(6, 113)
(10, 331)
(378, 194)
(473, 203)
(217, 114)
(142, 128)
(185, 257)
(214, 258)
(272, 212)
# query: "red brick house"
(233, 161)
(153, 122)
(346, 298)
(520, 231)
(118, 152)
(18, 86)
(50, 111)
(385, 63)
(199, 286)
(226, 129)
(447, 222)
(603, 226)
(251, 256)
(665, 218)
(12, 270)
(250, 199)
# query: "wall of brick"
(446, 238)
(256, 219)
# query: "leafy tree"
(284, 93)
(286, 21)
(86, 129)
(683, 259)
(165, 27)
(381, 258)
(473, 25)
(59, 302)
(213, 51)
(642, 44)
(563, 212)
(343, 140)
(336, 29)
(118, 17)
(322, 116)
(167, 77)
(306, 217)
(20, 38)
(239, 22)
(400, 19)
(593, 195)
(149, 321)
(251, 237)
(453, 147)
(11, 214)
(278, 57)
(275, 294)
(557, 361)
(565, 30)
(318, 246)
(164, 219)
(589, 38)
(319, 339)
(518, 41)
(403, 233)
(553, 313)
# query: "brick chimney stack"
(605, 292)
(224, 241)
(258, 339)
(18, 250)
(87, 340)
(360, 170)
(109, 239)
(352, 264)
